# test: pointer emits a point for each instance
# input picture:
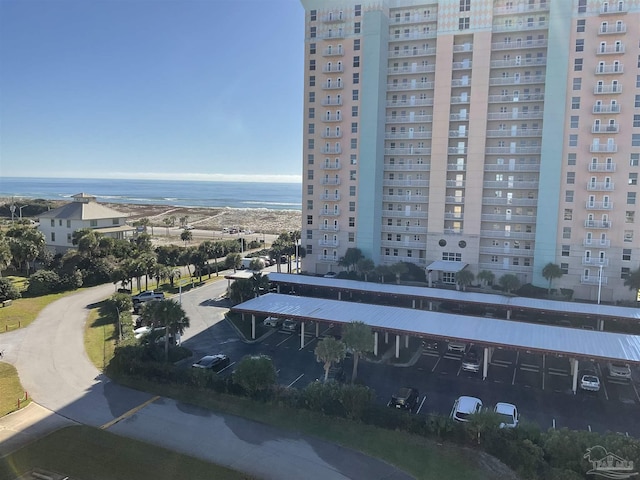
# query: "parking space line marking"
(604, 387)
(127, 414)
(301, 375)
(513, 380)
(228, 366)
(421, 403)
(635, 390)
(459, 370)
(544, 361)
(434, 367)
(278, 344)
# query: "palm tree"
(208, 249)
(549, 272)
(398, 269)
(365, 266)
(330, 351)
(167, 223)
(186, 236)
(358, 337)
(5, 255)
(464, 278)
(259, 282)
(170, 315)
(218, 251)
(633, 280)
(240, 290)
(487, 277)
(509, 282)
(351, 257)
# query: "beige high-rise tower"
(489, 135)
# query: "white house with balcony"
(58, 224)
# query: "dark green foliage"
(8, 290)
(531, 291)
(413, 273)
(255, 374)
(43, 282)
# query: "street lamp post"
(20, 208)
(13, 211)
(599, 282)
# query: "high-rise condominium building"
(482, 134)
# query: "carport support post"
(485, 367)
(508, 314)
(301, 335)
(339, 295)
(317, 329)
(278, 288)
(386, 337)
(430, 306)
(397, 346)
(253, 327)
(601, 325)
(406, 341)
(574, 371)
(413, 303)
(375, 344)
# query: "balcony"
(607, 89)
(331, 102)
(332, 117)
(456, 167)
(402, 244)
(610, 49)
(460, 99)
(325, 212)
(457, 150)
(409, 118)
(331, 51)
(413, 52)
(415, 18)
(405, 198)
(594, 280)
(331, 228)
(332, 150)
(409, 86)
(460, 82)
(453, 215)
(453, 200)
(411, 69)
(330, 34)
(333, 68)
(459, 117)
(612, 108)
(415, 35)
(535, 114)
(393, 259)
(510, 184)
(455, 183)
(406, 135)
(403, 229)
(592, 242)
(599, 205)
(408, 151)
(405, 183)
(330, 181)
(517, 45)
(335, 85)
(609, 128)
(330, 197)
(464, 65)
(609, 29)
(522, 8)
(512, 252)
(515, 80)
(458, 134)
(607, 8)
(600, 186)
(508, 234)
(533, 97)
(453, 231)
(407, 167)
(603, 148)
(497, 217)
(519, 132)
(337, 134)
(602, 167)
(403, 214)
(519, 26)
(331, 166)
(418, 102)
(595, 261)
(513, 150)
(607, 69)
(519, 62)
(333, 17)
(516, 202)
(328, 258)
(600, 224)
(328, 243)
(516, 167)
(464, 47)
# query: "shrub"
(8, 291)
(43, 282)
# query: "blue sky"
(208, 89)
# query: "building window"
(574, 122)
(309, 189)
(354, 111)
(310, 144)
(628, 236)
(629, 216)
(312, 64)
(571, 159)
(568, 196)
(53, 236)
(451, 257)
(310, 159)
(634, 159)
(309, 234)
(564, 267)
(353, 159)
(463, 23)
(355, 94)
(631, 198)
(93, 223)
(352, 191)
(352, 206)
(313, 14)
(312, 112)
(465, 5)
(352, 221)
(358, 10)
(356, 44)
(309, 204)
(566, 232)
(633, 179)
(575, 103)
(581, 24)
(356, 78)
(312, 97)
(356, 27)
(624, 272)
(354, 143)
(635, 140)
(637, 101)
(626, 254)
(312, 81)
(309, 174)
(577, 65)
(637, 81)
(312, 32)
(309, 219)
(577, 83)
(636, 120)
(356, 61)
(354, 127)
(571, 178)
(568, 214)
(582, 8)
(352, 174)
(565, 250)
(312, 48)
(312, 128)
(573, 140)
(352, 237)
(580, 45)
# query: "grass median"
(10, 390)
(23, 311)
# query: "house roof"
(483, 331)
(83, 208)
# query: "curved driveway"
(55, 370)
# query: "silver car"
(619, 370)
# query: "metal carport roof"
(602, 311)
(484, 331)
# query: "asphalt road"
(54, 369)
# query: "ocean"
(274, 196)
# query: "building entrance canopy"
(489, 332)
(444, 266)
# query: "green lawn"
(10, 389)
(91, 454)
(100, 336)
(23, 311)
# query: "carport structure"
(489, 332)
(422, 297)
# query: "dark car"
(405, 398)
(213, 362)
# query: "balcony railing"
(605, 89)
(331, 102)
(403, 214)
(333, 34)
(334, 150)
(333, 228)
(533, 97)
(416, 35)
(460, 82)
(458, 99)
(332, 69)
(328, 243)
(592, 242)
(609, 49)
(539, 43)
(608, 8)
(409, 86)
(599, 205)
(521, 8)
(510, 184)
(453, 231)
(456, 167)
(402, 244)
(330, 197)
(333, 52)
(595, 261)
(600, 186)
(515, 150)
(519, 62)
(409, 119)
(453, 215)
(535, 114)
(405, 198)
(330, 181)
(412, 52)
(612, 108)
(406, 135)
(415, 18)
(332, 85)
(601, 224)
(408, 151)
(332, 117)
(453, 200)
(328, 258)
(407, 167)
(602, 167)
(594, 280)
(457, 150)
(608, 29)
(508, 234)
(412, 69)
(514, 80)
(333, 17)
(520, 132)
(331, 134)
(403, 229)
(608, 128)
(603, 148)
(464, 65)
(458, 117)
(516, 252)
(326, 212)
(458, 134)
(332, 166)
(405, 183)
(605, 69)
(455, 183)
(418, 102)
(517, 202)
(519, 26)
(495, 217)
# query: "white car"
(619, 370)
(138, 333)
(458, 347)
(272, 322)
(590, 382)
(508, 414)
(465, 406)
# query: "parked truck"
(246, 263)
